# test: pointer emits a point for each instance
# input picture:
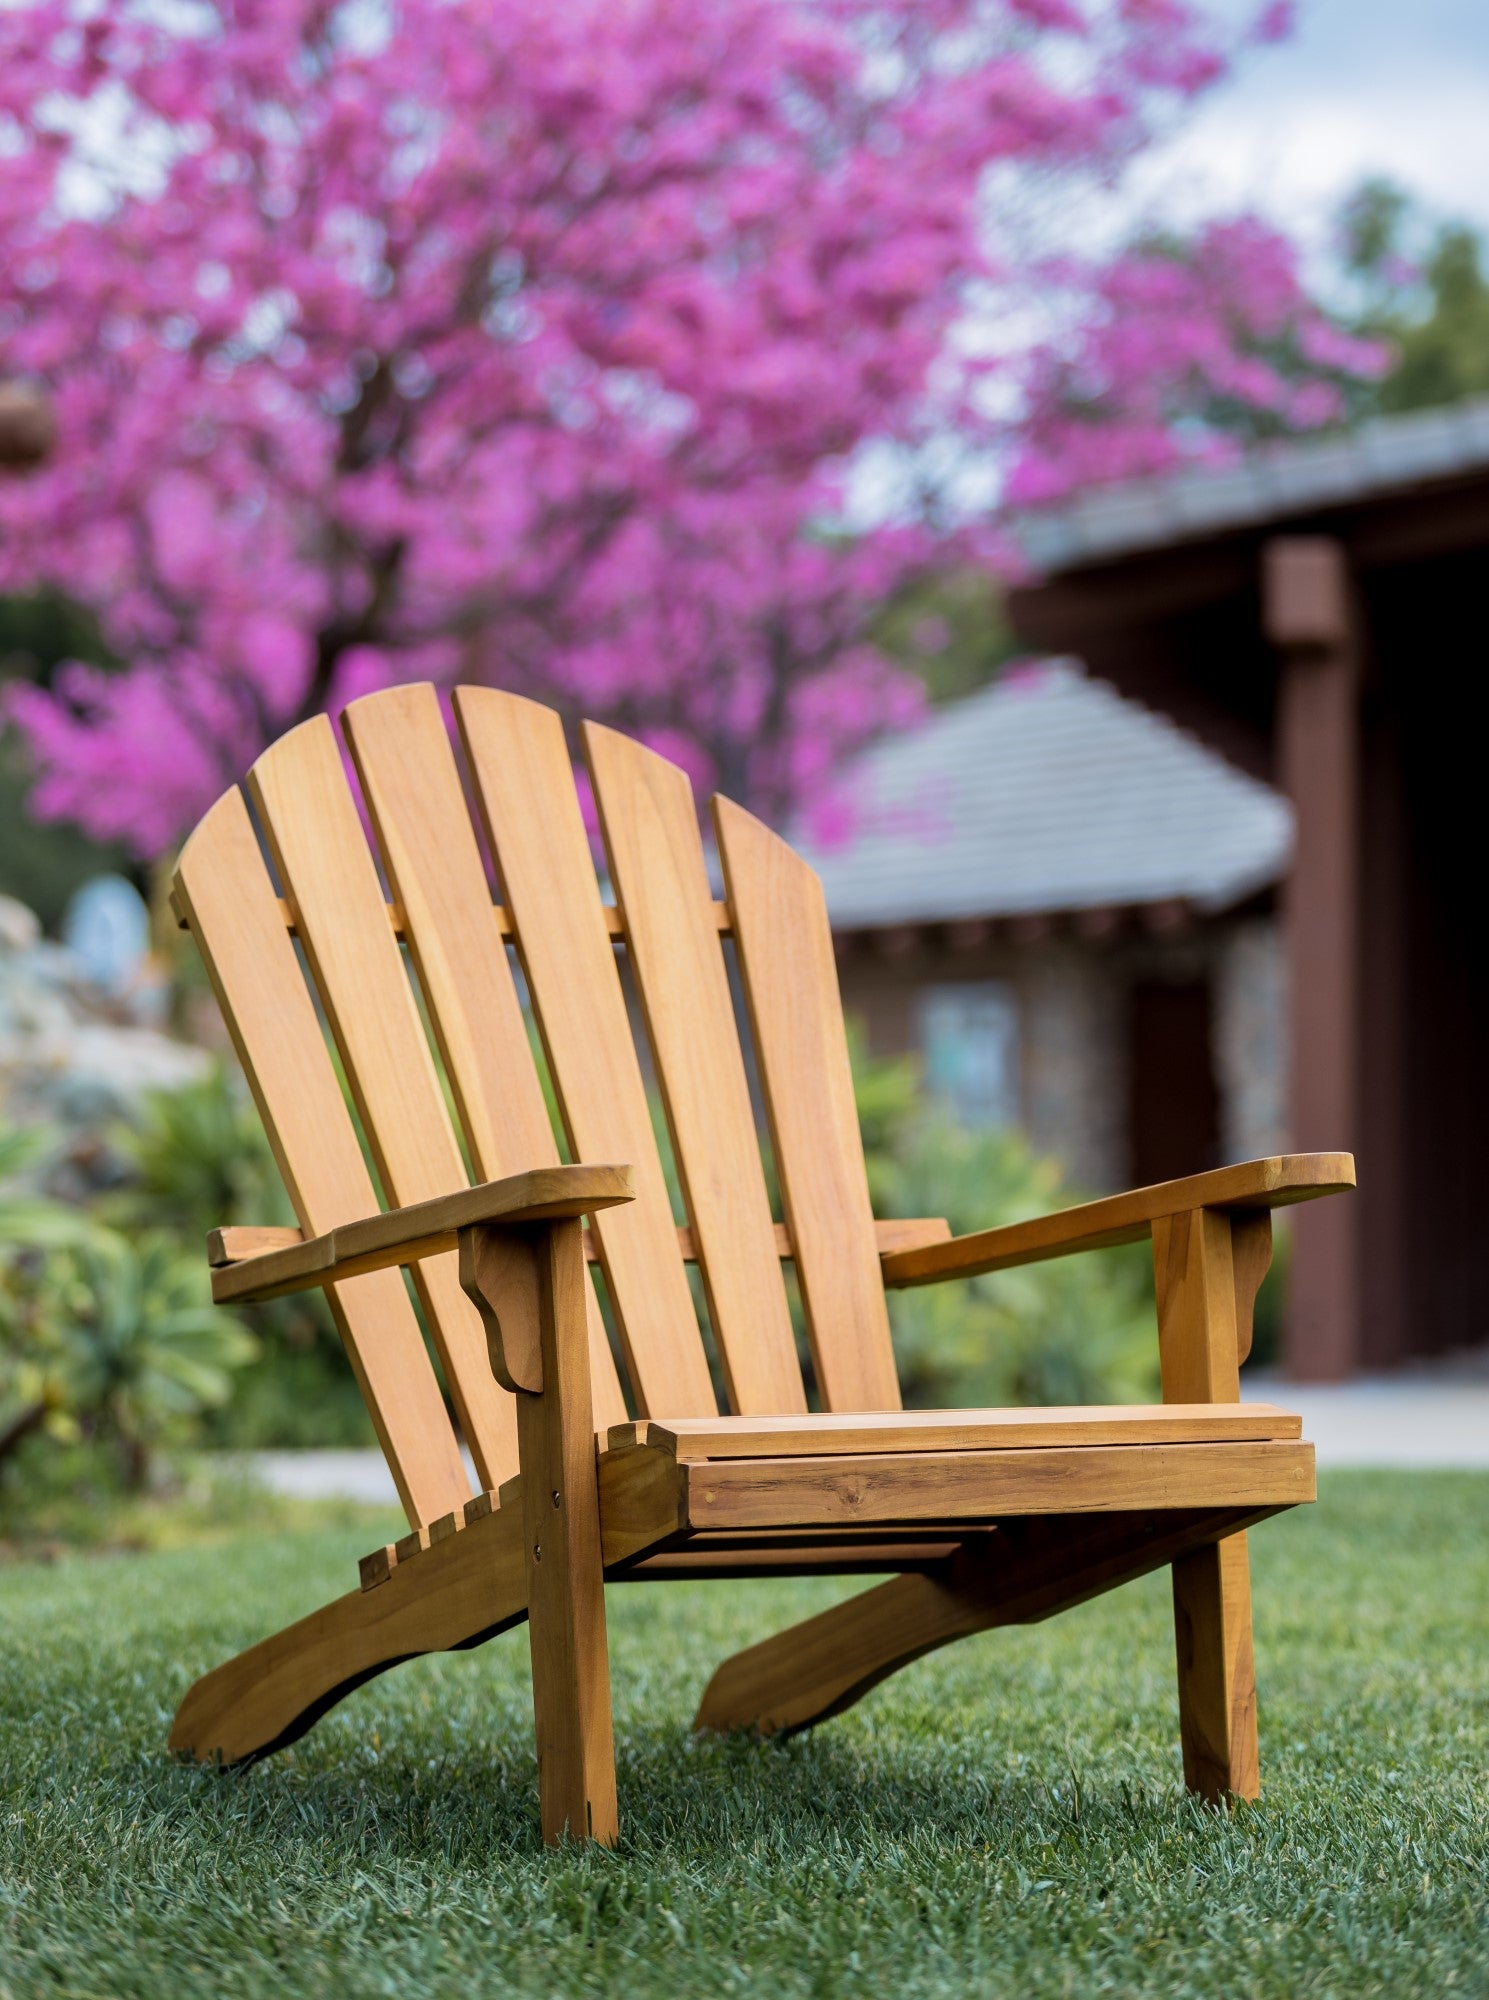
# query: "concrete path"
(1429, 1418)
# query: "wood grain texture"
(565, 1565)
(525, 786)
(1125, 1218)
(905, 1233)
(235, 1242)
(719, 912)
(1196, 1281)
(326, 871)
(695, 1438)
(377, 1567)
(796, 1017)
(1194, 1278)
(499, 1275)
(1251, 1257)
(705, 1559)
(650, 828)
(424, 1229)
(991, 1517)
(451, 1595)
(946, 1487)
(910, 1233)
(223, 886)
(440, 1596)
(1217, 1671)
(641, 1502)
(457, 941)
(1022, 1573)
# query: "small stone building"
(1067, 907)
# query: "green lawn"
(1002, 1818)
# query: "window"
(969, 1036)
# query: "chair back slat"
(326, 871)
(225, 891)
(525, 787)
(412, 791)
(650, 829)
(790, 978)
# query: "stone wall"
(1074, 1035)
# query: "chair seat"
(821, 1435)
(942, 1468)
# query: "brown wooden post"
(1308, 614)
(28, 426)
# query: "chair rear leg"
(1217, 1671)
(1206, 1269)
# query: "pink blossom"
(537, 343)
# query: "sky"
(1399, 87)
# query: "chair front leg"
(1207, 1266)
(530, 1288)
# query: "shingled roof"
(1293, 479)
(1045, 792)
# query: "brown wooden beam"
(1025, 1572)
(1310, 617)
(28, 426)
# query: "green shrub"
(105, 1338)
(33, 1229)
(1073, 1330)
(197, 1157)
(139, 1350)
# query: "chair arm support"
(1257, 1185)
(424, 1229)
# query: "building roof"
(1045, 792)
(1388, 456)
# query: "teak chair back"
(456, 940)
(402, 952)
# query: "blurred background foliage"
(113, 1359)
(1418, 282)
(45, 863)
(1072, 1330)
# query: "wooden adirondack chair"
(981, 1517)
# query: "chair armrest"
(1257, 1185)
(425, 1229)
(236, 1242)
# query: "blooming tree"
(544, 343)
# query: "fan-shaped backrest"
(443, 928)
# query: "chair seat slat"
(957, 1430)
